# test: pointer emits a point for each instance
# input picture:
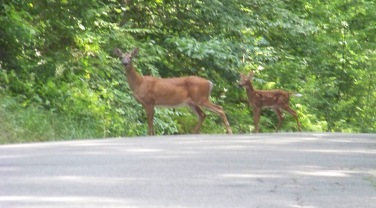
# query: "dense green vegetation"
(59, 78)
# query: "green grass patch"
(20, 124)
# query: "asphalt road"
(264, 170)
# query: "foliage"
(33, 124)
(56, 62)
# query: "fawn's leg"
(280, 118)
(293, 113)
(256, 118)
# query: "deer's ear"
(135, 52)
(118, 52)
(251, 73)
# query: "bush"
(33, 124)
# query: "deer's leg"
(150, 117)
(280, 118)
(293, 113)
(201, 117)
(256, 118)
(219, 110)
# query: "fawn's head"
(244, 80)
(126, 58)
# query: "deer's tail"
(295, 94)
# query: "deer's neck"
(251, 92)
(134, 78)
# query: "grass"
(20, 124)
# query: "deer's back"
(173, 91)
(269, 98)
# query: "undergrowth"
(20, 124)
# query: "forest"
(60, 78)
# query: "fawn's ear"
(135, 52)
(250, 76)
(118, 52)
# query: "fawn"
(277, 100)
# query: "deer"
(277, 100)
(151, 92)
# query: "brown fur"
(277, 100)
(150, 91)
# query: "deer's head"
(244, 80)
(126, 58)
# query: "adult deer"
(277, 100)
(151, 92)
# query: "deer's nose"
(125, 62)
(239, 84)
